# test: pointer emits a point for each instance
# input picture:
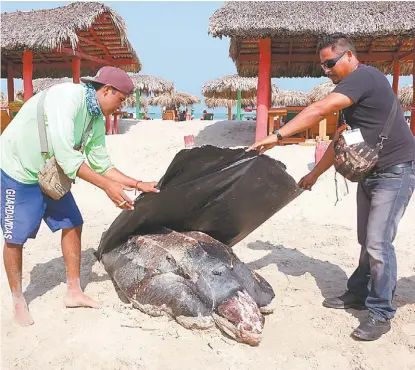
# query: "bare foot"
(77, 298)
(21, 312)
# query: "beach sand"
(306, 252)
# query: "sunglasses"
(330, 63)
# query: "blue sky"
(172, 42)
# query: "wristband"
(277, 132)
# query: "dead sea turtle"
(195, 279)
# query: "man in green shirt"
(68, 110)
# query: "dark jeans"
(381, 202)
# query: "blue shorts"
(24, 205)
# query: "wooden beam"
(79, 54)
(87, 63)
(97, 38)
(264, 81)
(27, 74)
(372, 45)
(10, 82)
(396, 67)
(76, 70)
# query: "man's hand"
(308, 181)
(147, 187)
(268, 143)
(115, 192)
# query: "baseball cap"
(113, 76)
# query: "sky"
(172, 42)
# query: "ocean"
(156, 114)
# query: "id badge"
(352, 137)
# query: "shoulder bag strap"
(392, 115)
(44, 148)
(84, 138)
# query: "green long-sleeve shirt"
(66, 118)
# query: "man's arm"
(315, 112)
(307, 118)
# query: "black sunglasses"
(330, 63)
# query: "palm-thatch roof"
(290, 98)
(131, 101)
(226, 87)
(91, 28)
(173, 99)
(406, 96)
(321, 91)
(40, 84)
(222, 102)
(147, 84)
(379, 28)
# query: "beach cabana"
(73, 40)
(233, 87)
(172, 101)
(406, 97)
(148, 85)
(229, 103)
(280, 39)
(321, 91)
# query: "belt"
(397, 168)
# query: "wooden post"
(264, 81)
(413, 100)
(238, 104)
(322, 129)
(396, 68)
(229, 112)
(10, 82)
(108, 125)
(137, 103)
(27, 74)
(76, 70)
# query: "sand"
(306, 252)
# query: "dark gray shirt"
(373, 98)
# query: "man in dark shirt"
(365, 96)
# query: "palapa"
(406, 96)
(222, 102)
(173, 99)
(148, 85)
(321, 91)
(297, 27)
(44, 30)
(227, 87)
(131, 101)
(290, 98)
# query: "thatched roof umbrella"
(131, 101)
(233, 87)
(41, 84)
(321, 91)
(173, 99)
(146, 84)
(68, 27)
(290, 98)
(229, 103)
(406, 97)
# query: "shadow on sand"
(330, 278)
(46, 276)
(227, 134)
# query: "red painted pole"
(115, 128)
(27, 74)
(263, 92)
(396, 67)
(10, 82)
(108, 125)
(76, 70)
(413, 100)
